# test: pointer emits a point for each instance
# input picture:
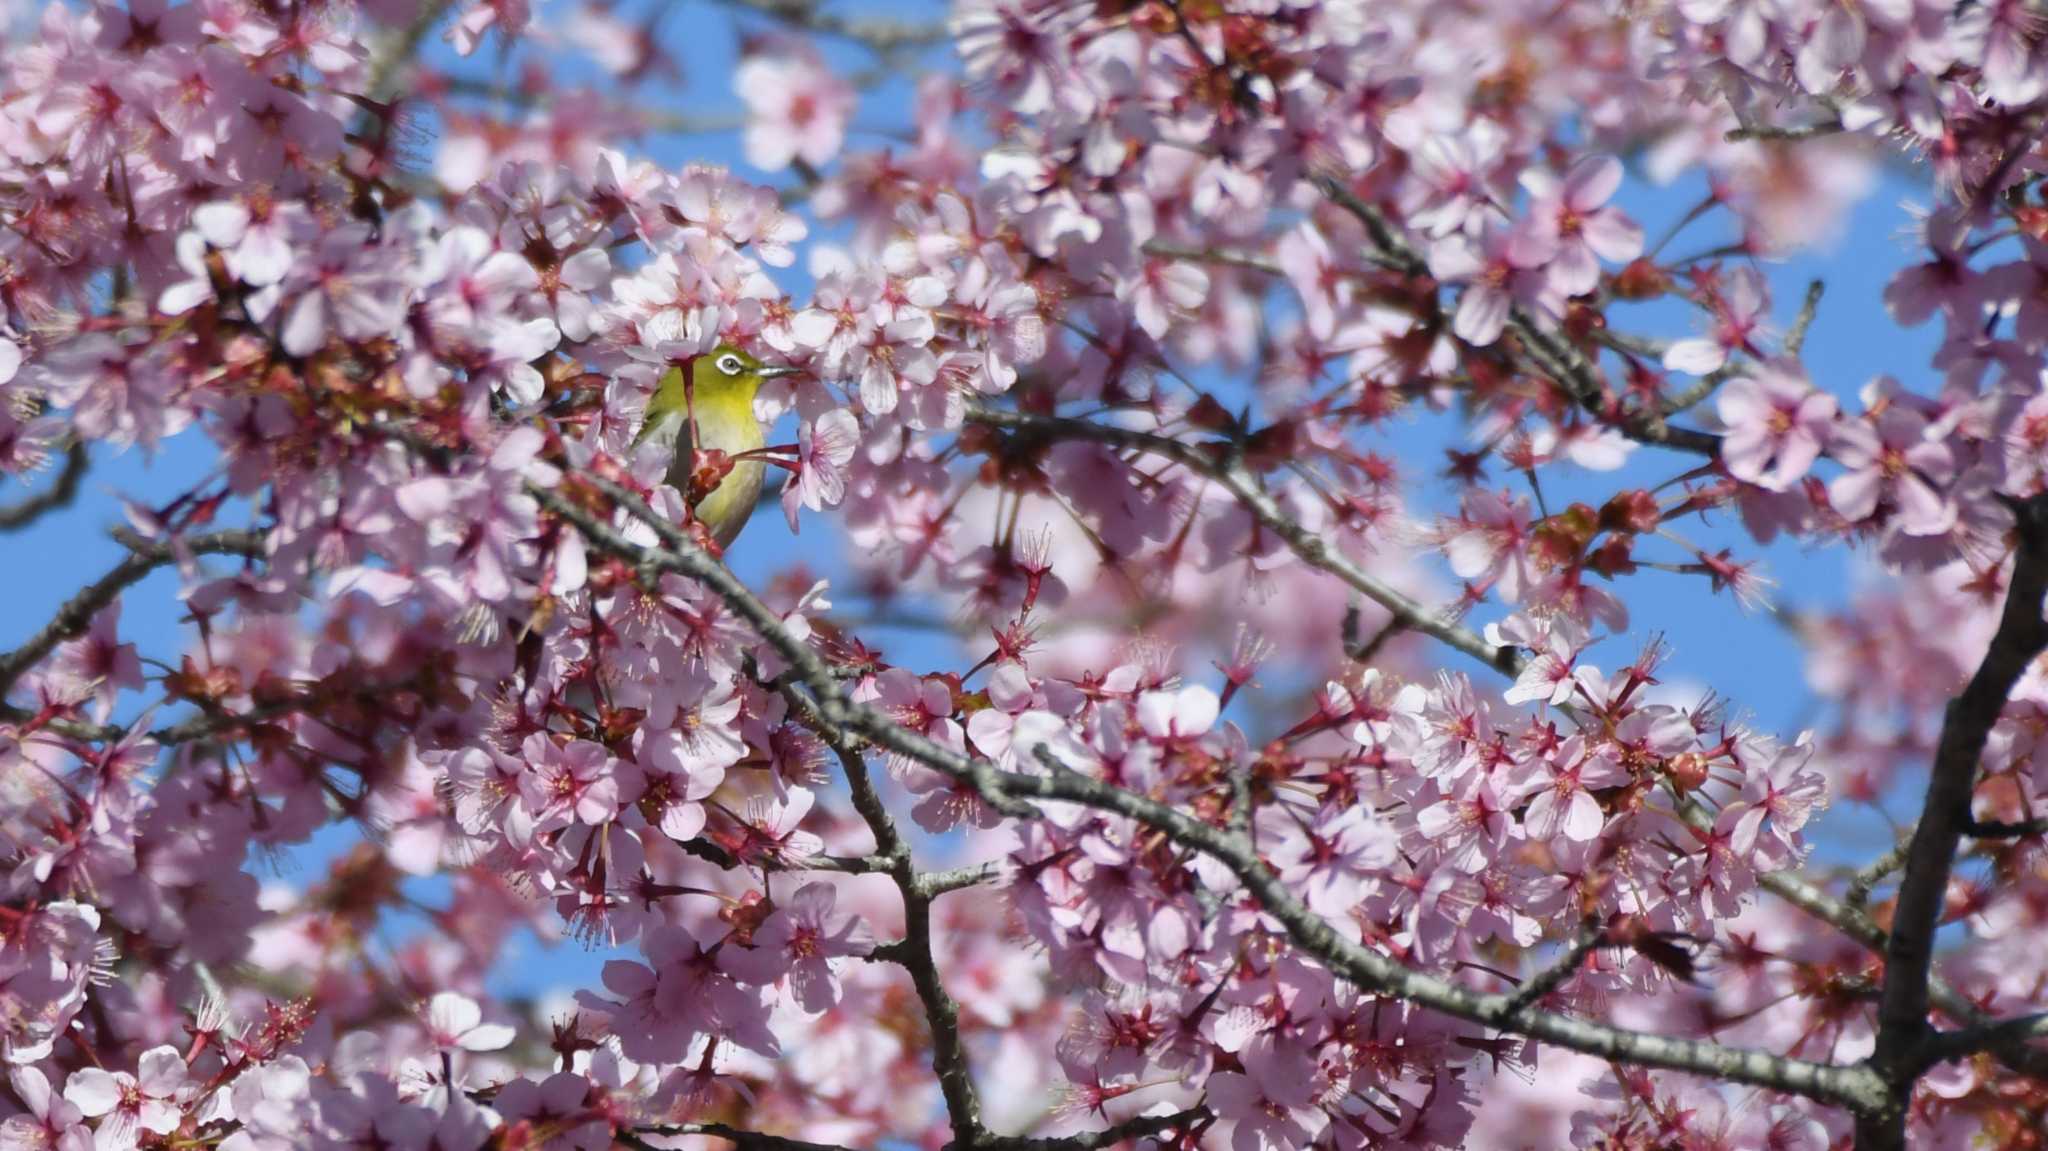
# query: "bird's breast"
(732, 429)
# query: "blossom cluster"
(1104, 359)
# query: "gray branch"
(1855, 1087)
(914, 951)
(884, 37)
(1997, 829)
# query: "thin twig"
(1787, 133)
(60, 493)
(1858, 895)
(1311, 547)
(1539, 986)
(1134, 1128)
(1563, 363)
(1795, 339)
(75, 616)
(884, 37)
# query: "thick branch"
(2002, 1033)
(1945, 816)
(1996, 829)
(738, 1136)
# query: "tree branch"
(60, 493)
(885, 37)
(1855, 1087)
(1209, 462)
(914, 951)
(1557, 357)
(75, 616)
(1858, 895)
(738, 1136)
(1795, 339)
(1945, 816)
(2002, 1033)
(1996, 829)
(1538, 986)
(1133, 1128)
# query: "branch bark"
(1903, 1030)
(914, 951)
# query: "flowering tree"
(1240, 820)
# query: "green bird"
(712, 407)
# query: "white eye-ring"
(729, 364)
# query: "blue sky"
(1745, 656)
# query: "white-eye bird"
(713, 408)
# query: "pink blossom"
(153, 1099)
(576, 779)
(455, 1021)
(1894, 458)
(1572, 217)
(801, 940)
(1738, 310)
(557, 1105)
(1495, 276)
(1563, 803)
(1777, 425)
(51, 1121)
(1271, 1104)
(797, 109)
(1184, 714)
(824, 447)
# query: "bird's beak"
(769, 372)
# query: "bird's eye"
(729, 364)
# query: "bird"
(711, 406)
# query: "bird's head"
(724, 375)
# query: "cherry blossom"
(456, 1021)
(1778, 424)
(150, 1099)
(1152, 720)
(796, 110)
